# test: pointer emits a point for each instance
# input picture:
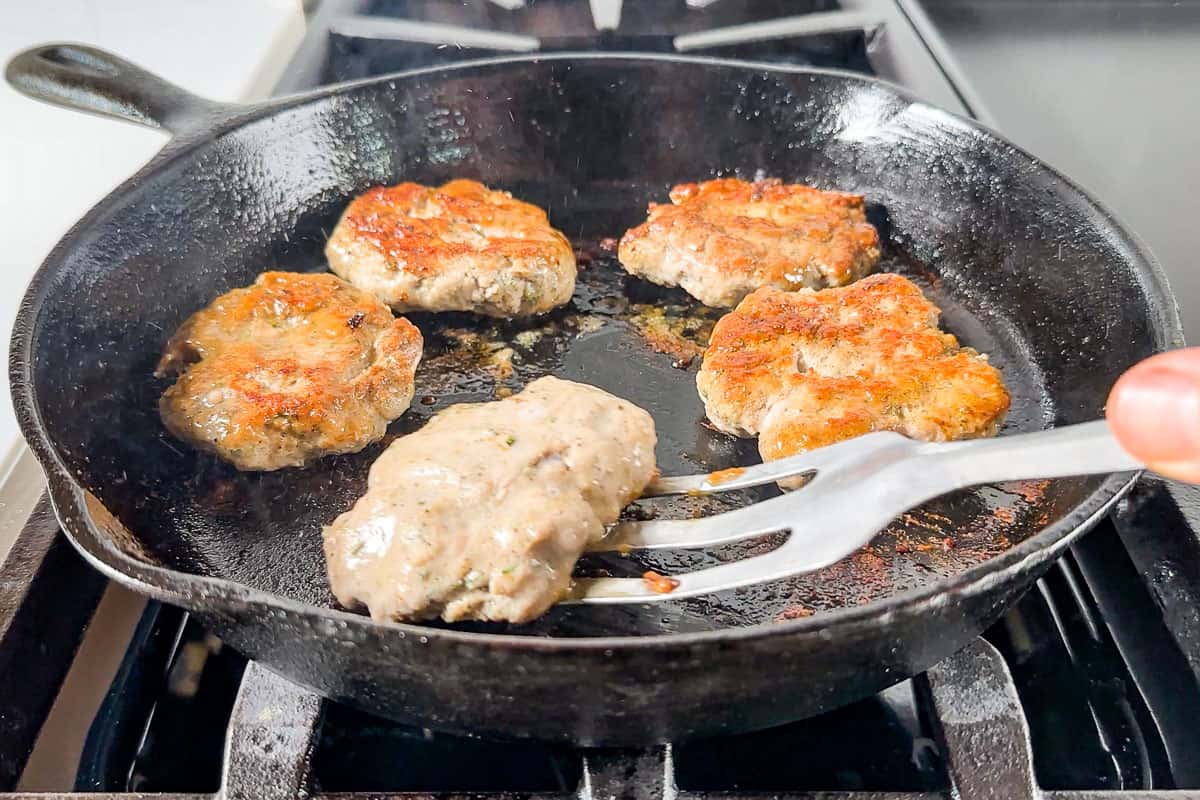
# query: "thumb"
(1154, 411)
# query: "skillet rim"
(68, 496)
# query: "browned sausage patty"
(722, 239)
(457, 247)
(287, 370)
(806, 369)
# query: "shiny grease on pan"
(1049, 278)
(627, 320)
(642, 342)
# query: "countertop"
(55, 164)
(1106, 92)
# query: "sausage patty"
(806, 369)
(722, 239)
(482, 513)
(459, 247)
(289, 369)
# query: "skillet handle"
(86, 78)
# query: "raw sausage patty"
(289, 369)
(482, 513)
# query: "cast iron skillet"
(1026, 267)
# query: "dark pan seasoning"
(1024, 267)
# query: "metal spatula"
(854, 490)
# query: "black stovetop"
(1104, 686)
(1092, 682)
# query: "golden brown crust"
(722, 239)
(421, 226)
(460, 246)
(806, 369)
(294, 367)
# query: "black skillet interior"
(1023, 269)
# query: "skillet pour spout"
(1025, 266)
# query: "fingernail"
(1155, 414)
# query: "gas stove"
(1088, 688)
